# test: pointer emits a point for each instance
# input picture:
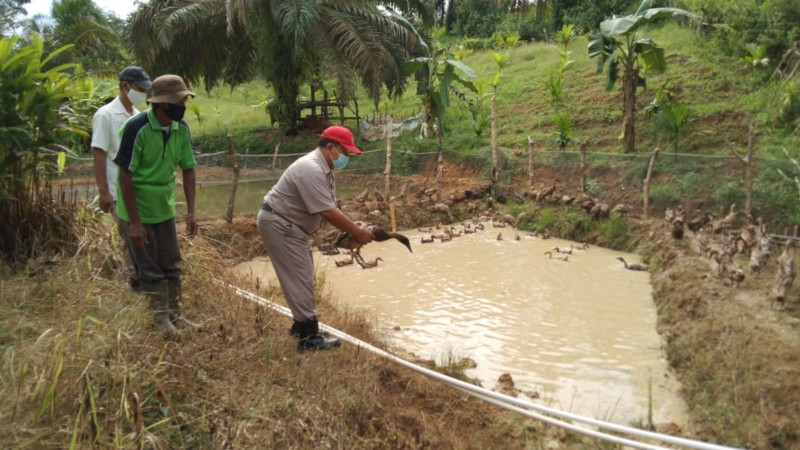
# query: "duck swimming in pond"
(557, 256)
(634, 266)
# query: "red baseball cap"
(342, 136)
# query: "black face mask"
(175, 112)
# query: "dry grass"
(737, 359)
(81, 367)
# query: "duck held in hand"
(347, 241)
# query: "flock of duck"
(344, 241)
(722, 244)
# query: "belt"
(265, 206)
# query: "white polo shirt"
(106, 126)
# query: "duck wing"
(346, 240)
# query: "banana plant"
(617, 45)
(435, 74)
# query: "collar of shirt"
(117, 107)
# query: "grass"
(80, 366)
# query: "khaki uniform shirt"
(306, 188)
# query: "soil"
(702, 317)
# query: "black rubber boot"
(310, 339)
(295, 329)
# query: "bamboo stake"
(646, 194)
(495, 170)
(583, 167)
(234, 182)
(439, 160)
(392, 216)
(747, 160)
(275, 155)
(530, 164)
(388, 170)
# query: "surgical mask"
(175, 112)
(136, 97)
(340, 162)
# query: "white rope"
(501, 400)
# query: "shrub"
(36, 115)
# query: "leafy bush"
(614, 231)
(729, 192)
(664, 193)
(36, 114)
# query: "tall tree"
(92, 32)
(289, 41)
(9, 10)
(617, 45)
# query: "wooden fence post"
(234, 182)
(275, 155)
(495, 169)
(387, 172)
(646, 183)
(530, 164)
(583, 167)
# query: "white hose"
(505, 401)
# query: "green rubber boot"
(175, 306)
(158, 294)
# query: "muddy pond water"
(579, 335)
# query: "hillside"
(80, 364)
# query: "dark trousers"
(160, 258)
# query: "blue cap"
(135, 74)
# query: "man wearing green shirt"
(154, 144)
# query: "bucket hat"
(169, 89)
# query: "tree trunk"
(541, 9)
(629, 80)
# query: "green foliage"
(664, 194)
(673, 116)
(34, 100)
(756, 55)
(729, 192)
(773, 24)
(478, 18)
(586, 16)
(788, 113)
(614, 231)
(435, 74)
(564, 134)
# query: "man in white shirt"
(106, 125)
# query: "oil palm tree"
(290, 42)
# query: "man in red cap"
(291, 212)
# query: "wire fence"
(710, 182)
